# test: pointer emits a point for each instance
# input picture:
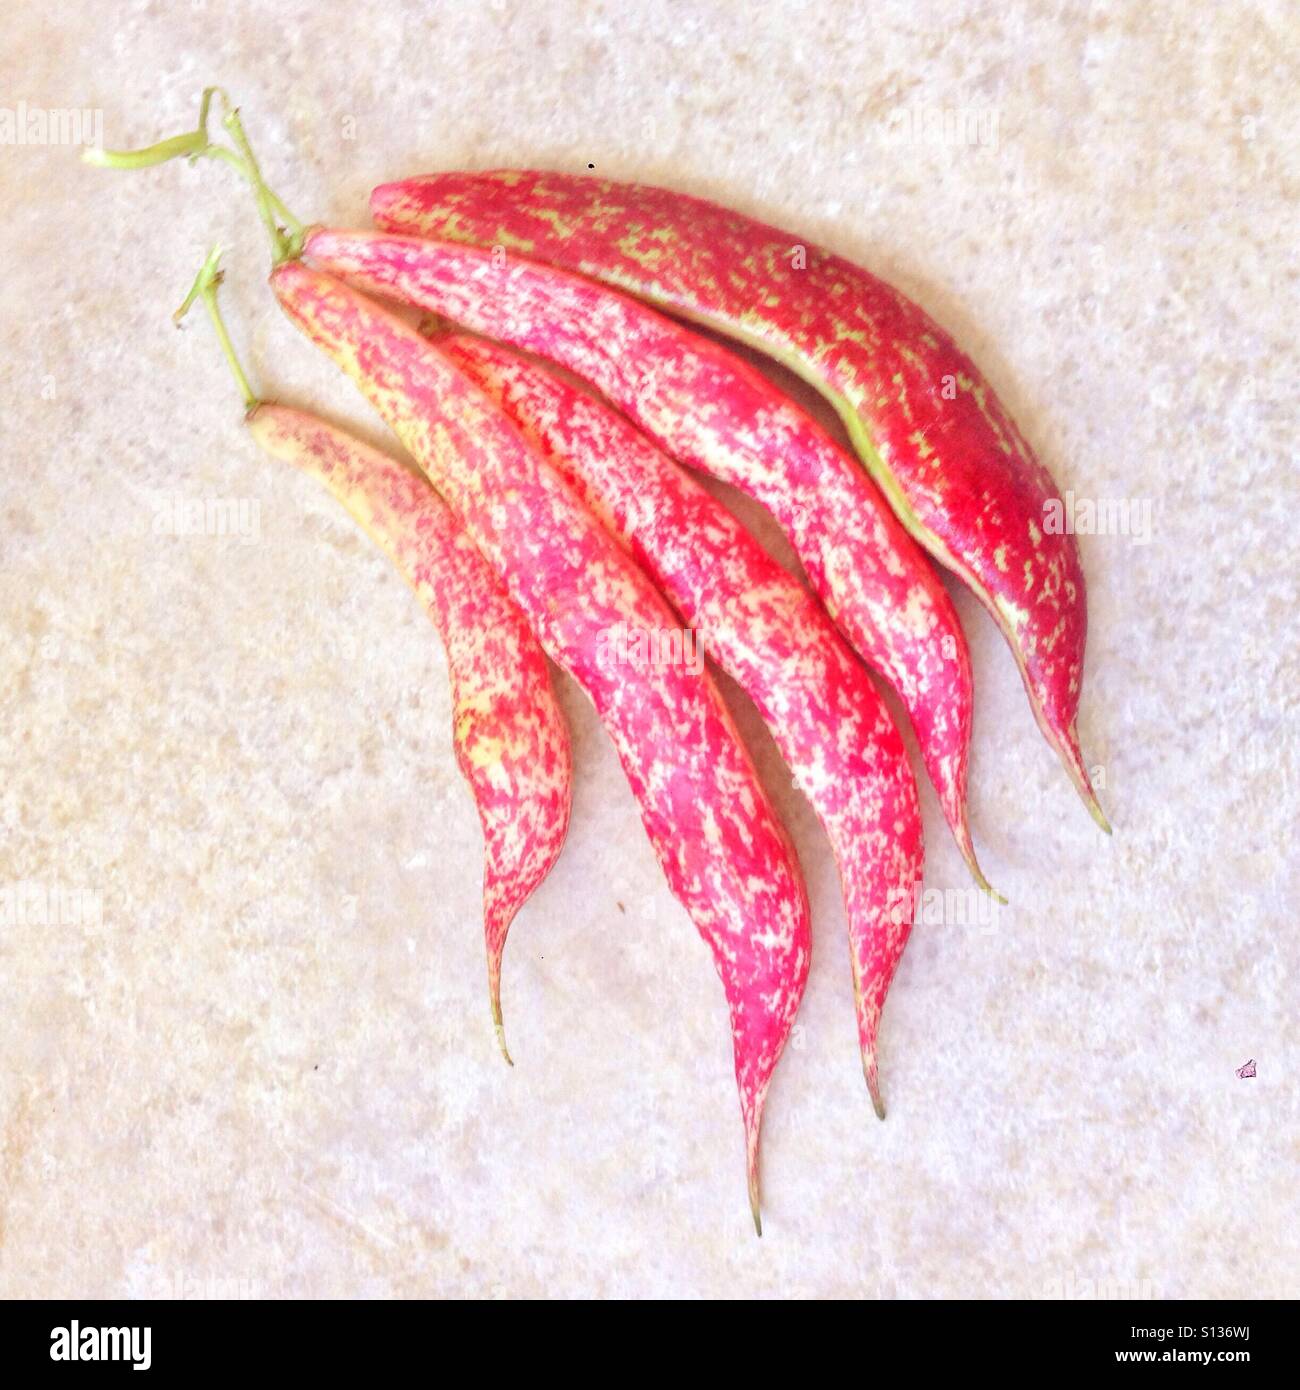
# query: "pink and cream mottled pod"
(511, 741)
(722, 848)
(708, 409)
(928, 426)
(765, 630)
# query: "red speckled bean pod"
(721, 846)
(511, 741)
(706, 408)
(765, 630)
(928, 426)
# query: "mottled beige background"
(269, 1066)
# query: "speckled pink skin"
(706, 408)
(765, 630)
(510, 738)
(724, 852)
(928, 426)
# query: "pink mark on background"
(1246, 1069)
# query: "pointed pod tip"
(873, 1086)
(967, 848)
(1067, 745)
(500, 1028)
(752, 1173)
(982, 883)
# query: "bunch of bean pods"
(549, 511)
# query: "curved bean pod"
(721, 846)
(511, 741)
(708, 409)
(930, 429)
(765, 630)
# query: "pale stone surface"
(271, 1062)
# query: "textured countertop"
(245, 1047)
